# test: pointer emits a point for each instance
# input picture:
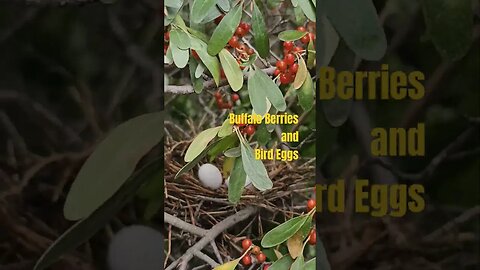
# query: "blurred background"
(439, 38)
(68, 74)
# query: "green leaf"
(194, 162)
(260, 33)
(211, 62)
(232, 70)
(231, 265)
(197, 82)
(322, 257)
(299, 263)
(200, 143)
(308, 9)
(237, 182)
(262, 136)
(450, 26)
(306, 94)
(311, 55)
(291, 35)
(81, 231)
(233, 152)
(301, 74)
(282, 232)
(337, 110)
(224, 5)
(264, 83)
(200, 9)
(295, 3)
(226, 129)
(358, 24)
(254, 168)
(180, 57)
(112, 162)
(256, 94)
(222, 145)
(180, 39)
(306, 227)
(283, 264)
(224, 31)
(173, 3)
(327, 41)
(311, 265)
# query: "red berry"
(289, 59)
(246, 243)
(297, 49)
(311, 36)
(241, 47)
(166, 36)
(311, 204)
(227, 105)
(250, 51)
(195, 54)
(305, 39)
(290, 76)
(240, 32)
(220, 103)
(288, 45)
(245, 26)
(235, 97)
(233, 42)
(266, 266)
(219, 19)
(250, 130)
(284, 78)
(218, 95)
(293, 68)
(281, 65)
(301, 29)
(312, 240)
(276, 72)
(247, 260)
(256, 250)
(261, 258)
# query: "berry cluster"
(259, 255)
(312, 236)
(221, 103)
(241, 51)
(287, 68)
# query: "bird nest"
(200, 209)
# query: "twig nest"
(210, 176)
(136, 247)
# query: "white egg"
(210, 176)
(136, 247)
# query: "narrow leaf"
(299, 263)
(110, 165)
(232, 70)
(254, 168)
(308, 9)
(211, 62)
(301, 74)
(256, 93)
(228, 266)
(291, 35)
(306, 94)
(200, 9)
(260, 33)
(357, 22)
(200, 143)
(273, 93)
(283, 263)
(237, 182)
(224, 31)
(283, 232)
(180, 39)
(226, 129)
(81, 231)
